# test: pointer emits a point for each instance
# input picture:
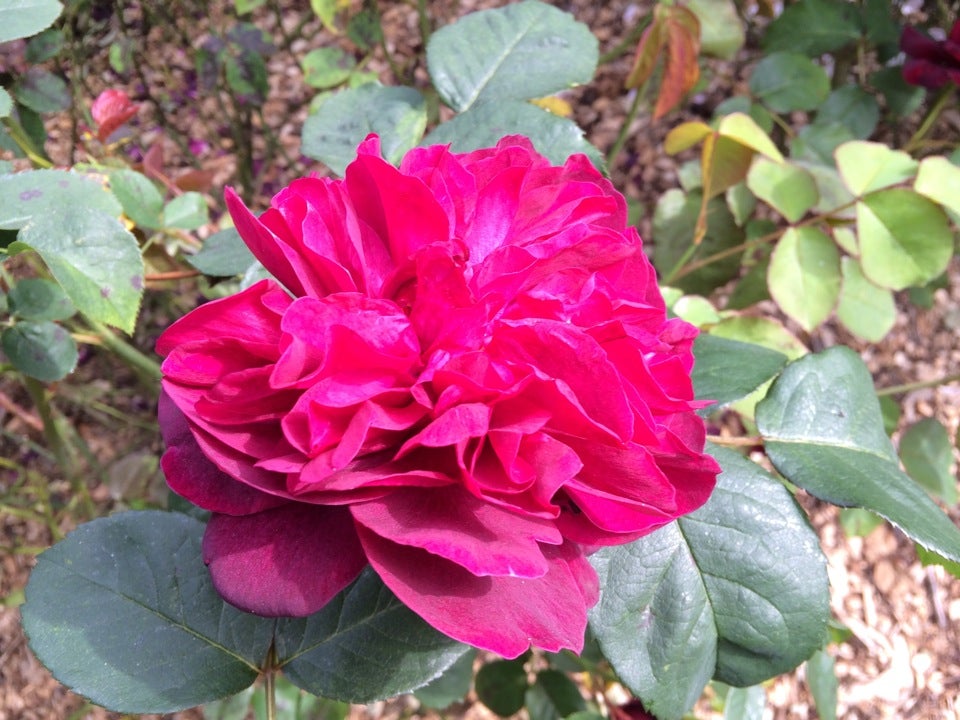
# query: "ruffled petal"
(502, 614)
(288, 561)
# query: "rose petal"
(502, 614)
(451, 523)
(289, 561)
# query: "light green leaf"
(817, 142)
(327, 67)
(868, 166)
(397, 114)
(728, 370)
(38, 299)
(904, 238)
(224, 254)
(857, 522)
(518, 52)
(123, 611)
(23, 18)
(786, 81)
(846, 240)
(822, 681)
(823, 431)
(484, 125)
(939, 180)
(745, 703)
(452, 686)
(6, 103)
(94, 258)
(867, 310)
(804, 275)
(37, 192)
(364, 645)
(927, 455)
(721, 29)
(187, 212)
(42, 350)
(745, 130)
(853, 107)
(788, 188)
(707, 596)
(141, 200)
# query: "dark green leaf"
(813, 27)
(727, 370)
(93, 257)
(742, 103)
(822, 681)
(364, 645)
(44, 46)
(518, 52)
(364, 29)
(745, 703)
(38, 299)
(397, 114)
(42, 91)
(502, 685)
(823, 431)
(890, 409)
(452, 686)
(327, 67)
(857, 522)
(224, 254)
(707, 595)
(674, 222)
(23, 18)
(123, 611)
(902, 98)
(927, 455)
(815, 143)
(853, 107)
(552, 696)
(882, 30)
(786, 81)
(141, 200)
(482, 126)
(247, 77)
(42, 350)
(37, 192)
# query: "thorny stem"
(628, 121)
(918, 385)
(55, 441)
(147, 369)
(930, 118)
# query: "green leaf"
(38, 300)
(823, 431)
(853, 107)
(397, 114)
(788, 188)
(141, 200)
(927, 455)
(822, 681)
(364, 645)
(186, 212)
(42, 91)
(364, 28)
(674, 222)
(867, 310)
(857, 522)
(45, 46)
(518, 52)
(939, 180)
(721, 29)
(42, 350)
(747, 703)
(552, 696)
(23, 18)
(905, 239)
(728, 370)
(246, 6)
(708, 595)
(95, 260)
(786, 81)
(901, 97)
(123, 611)
(868, 166)
(6, 103)
(804, 275)
(37, 192)
(326, 10)
(224, 254)
(502, 684)
(817, 142)
(327, 67)
(452, 686)
(890, 409)
(927, 558)
(555, 137)
(813, 27)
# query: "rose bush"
(464, 377)
(931, 63)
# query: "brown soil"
(903, 660)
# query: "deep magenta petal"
(451, 523)
(501, 614)
(288, 561)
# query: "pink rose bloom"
(465, 378)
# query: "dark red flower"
(110, 111)
(464, 377)
(931, 63)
